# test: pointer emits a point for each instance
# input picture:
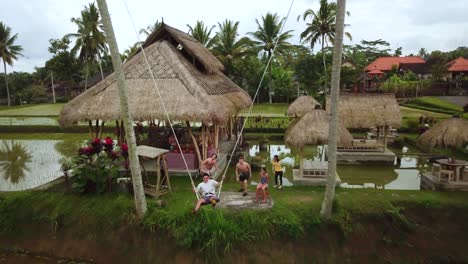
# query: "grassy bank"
(434, 104)
(32, 110)
(295, 217)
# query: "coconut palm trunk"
(140, 200)
(327, 204)
(6, 83)
(325, 89)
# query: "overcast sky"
(412, 24)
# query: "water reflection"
(404, 175)
(14, 159)
(26, 164)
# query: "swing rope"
(253, 99)
(161, 99)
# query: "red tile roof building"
(458, 65)
(386, 63)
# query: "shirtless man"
(209, 165)
(243, 172)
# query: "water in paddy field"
(28, 121)
(404, 175)
(26, 164)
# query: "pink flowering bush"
(97, 165)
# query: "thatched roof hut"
(368, 110)
(450, 133)
(302, 105)
(192, 84)
(312, 129)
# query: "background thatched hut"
(450, 133)
(302, 105)
(312, 129)
(369, 110)
(189, 77)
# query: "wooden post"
(102, 127)
(378, 134)
(216, 143)
(300, 163)
(166, 174)
(158, 173)
(90, 128)
(385, 136)
(97, 128)
(195, 143)
(203, 142)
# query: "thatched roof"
(452, 133)
(368, 110)
(312, 129)
(188, 90)
(302, 105)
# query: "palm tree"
(423, 53)
(201, 33)
(322, 28)
(268, 34)
(139, 192)
(90, 38)
(8, 51)
(327, 204)
(150, 28)
(131, 51)
(226, 47)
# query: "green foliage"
(406, 86)
(96, 166)
(201, 33)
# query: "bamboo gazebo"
(366, 111)
(191, 81)
(447, 173)
(312, 129)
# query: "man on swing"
(207, 189)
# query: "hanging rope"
(161, 99)
(253, 100)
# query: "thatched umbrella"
(302, 105)
(369, 110)
(451, 133)
(312, 129)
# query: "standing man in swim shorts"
(243, 172)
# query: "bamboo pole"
(195, 143)
(117, 126)
(102, 128)
(216, 143)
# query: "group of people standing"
(243, 171)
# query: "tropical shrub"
(97, 165)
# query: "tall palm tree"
(9, 52)
(322, 28)
(327, 204)
(130, 51)
(201, 33)
(226, 47)
(138, 190)
(267, 34)
(150, 28)
(90, 38)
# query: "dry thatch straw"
(190, 80)
(450, 133)
(312, 129)
(368, 110)
(302, 105)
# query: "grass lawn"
(416, 113)
(32, 110)
(267, 109)
(434, 104)
(295, 214)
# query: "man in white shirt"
(207, 189)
